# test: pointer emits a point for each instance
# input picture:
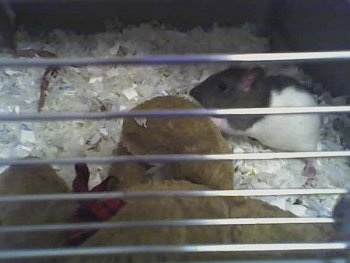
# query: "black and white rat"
(341, 214)
(237, 87)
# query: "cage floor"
(121, 87)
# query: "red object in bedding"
(90, 210)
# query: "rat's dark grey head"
(341, 214)
(233, 87)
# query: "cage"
(91, 62)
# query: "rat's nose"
(194, 93)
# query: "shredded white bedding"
(120, 87)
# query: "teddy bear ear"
(250, 78)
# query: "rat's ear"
(250, 77)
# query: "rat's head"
(341, 214)
(230, 88)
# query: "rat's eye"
(222, 87)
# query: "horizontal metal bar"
(337, 259)
(323, 56)
(152, 194)
(151, 249)
(164, 223)
(67, 116)
(170, 158)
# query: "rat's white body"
(297, 132)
